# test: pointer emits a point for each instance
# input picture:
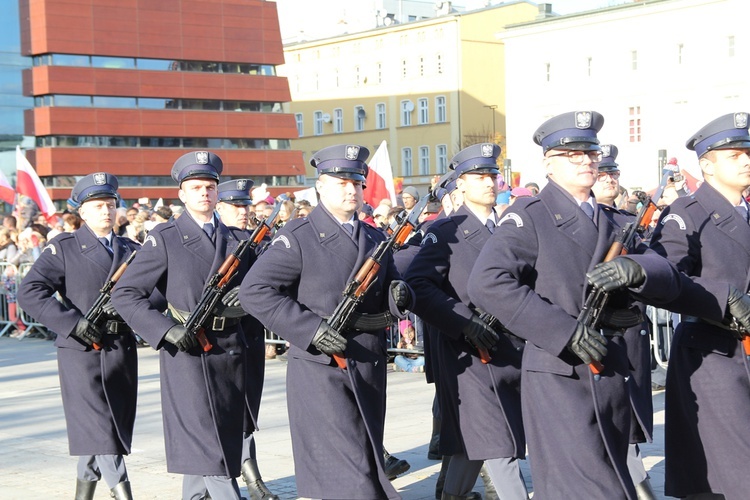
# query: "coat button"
(231, 352)
(643, 332)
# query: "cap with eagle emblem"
(197, 165)
(479, 159)
(236, 192)
(575, 130)
(729, 131)
(609, 155)
(344, 161)
(93, 186)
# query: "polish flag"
(7, 193)
(380, 178)
(29, 184)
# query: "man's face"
(131, 213)
(99, 214)
(233, 215)
(408, 200)
(199, 197)
(607, 186)
(573, 170)
(342, 197)
(727, 170)
(478, 188)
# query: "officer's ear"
(706, 163)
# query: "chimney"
(545, 11)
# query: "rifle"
(96, 312)
(355, 291)
(598, 298)
(216, 287)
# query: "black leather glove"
(401, 294)
(109, 310)
(479, 334)
(738, 305)
(588, 344)
(87, 332)
(181, 338)
(327, 340)
(619, 272)
(230, 307)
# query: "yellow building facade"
(428, 88)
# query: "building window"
(380, 72)
(403, 69)
(730, 46)
(634, 60)
(424, 160)
(406, 162)
(441, 152)
(338, 121)
(588, 65)
(300, 124)
(424, 111)
(421, 66)
(318, 123)
(380, 115)
(634, 123)
(680, 48)
(359, 118)
(440, 64)
(441, 115)
(406, 108)
(548, 71)
(357, 77)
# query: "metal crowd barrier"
(32, 326)
(7, 296)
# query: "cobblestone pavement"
(34, 453)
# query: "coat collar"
(569, 218)
(723, 215)
(470, 227)
(92, 248)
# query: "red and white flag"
(380, 178)
(29, 184)
(7, 193)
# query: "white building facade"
(658, 70)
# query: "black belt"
(215, 323)
(729, 329)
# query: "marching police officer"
(480, 403)
(99, 386)
(233, 209)
(203, 393)
(706, 235)
(531, 275)
(637, 340)
(336, 415)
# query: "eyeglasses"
(576, 157)
(603, 175)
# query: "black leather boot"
(85, 489)
(490, 493)
(394, 467)
(255, 485)
(122, 491)
(433, 452)
(471, 496)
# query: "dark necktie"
(490, 225)
(106, 244)
(349, 229)
(742, 210)
(209, 230)
(588, 210)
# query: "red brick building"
(127, 86)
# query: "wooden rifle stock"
(358, 287)
(95, 313)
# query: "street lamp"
(508, 173)
(492, 107)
